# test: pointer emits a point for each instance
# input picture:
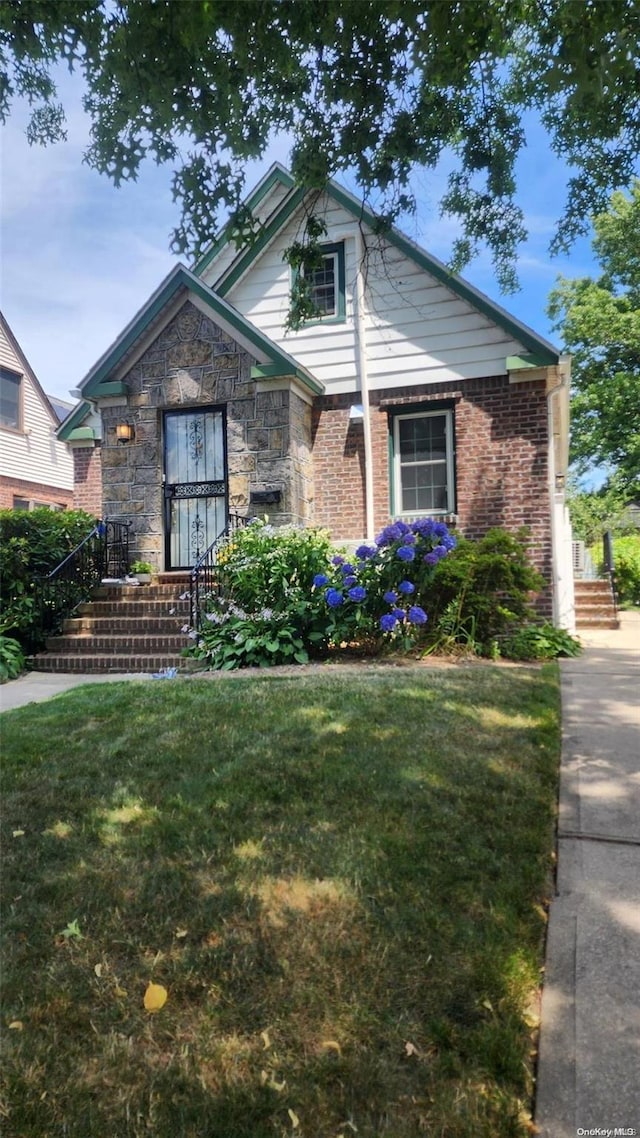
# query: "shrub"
(231, 638)
(539, 642)
(32, 543)
(626, 558)
(11, 658)
(482, 591)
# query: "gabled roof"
(273, 361)
(28, 370)
(542, 352)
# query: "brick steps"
(595, 606)
(124, 628)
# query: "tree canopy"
(375, 87)
(599, 321)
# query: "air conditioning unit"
(578, 557)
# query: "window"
(423, 477)
(10, 401)
(328, 284)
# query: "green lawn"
(339, 877)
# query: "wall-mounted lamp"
(124, 432)
(356, 413)
(560, 483)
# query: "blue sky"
(80, 257)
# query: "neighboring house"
(36, 468)
(411, 394)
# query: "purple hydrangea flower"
(350, 580)
(348, 569)
(320, 579)
(423, 527)
(440, 551)
(357, 593)
(337, 560)
(390, 534)
(406, 587)
(388, 622)
(406, 553)
(399, 614)
(440, 529)
(391, 597)
(365, 552)
(416, 615)
(449, 542)
(409, 539)
(334, 598)
(430, 559)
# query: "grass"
(338, 878)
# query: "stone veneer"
(193, 363)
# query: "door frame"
(168, 497)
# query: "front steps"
(595, 605)
(123, 628)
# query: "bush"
(626, 559)
(11, 658)
(539, 642)
(32, 543)
(482, 591)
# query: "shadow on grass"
(337, 879)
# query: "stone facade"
(194, 363)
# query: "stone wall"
(192, 363)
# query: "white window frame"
(398, 512)
(333, 257)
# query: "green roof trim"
(277, 371)
(522, 363)
(73, 421)
(545, 352)
(268, 233)
(81, 433)
(97, 384)
(276, 176)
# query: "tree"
(600, 325)
(376, 87)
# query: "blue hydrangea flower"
(416, 615)
(357, 593)
(423, 527)
(391, 597)
(350, 580)
(365, 552)
(399, 614)
(439, 551)
(406, 587)
(389, 534)
(388, 622)
(430, 559)
(337, 560)
(449, 542)
(409, 539)
(320, 579)
(440, 529)
(406, 553)
(334, 598)
(347, 568)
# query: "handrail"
(609, 565)
(203, 580)
(104, 552)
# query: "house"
(408, 393)
(36, 468)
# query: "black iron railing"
(102, 553)
(205, 578)
(609, 564)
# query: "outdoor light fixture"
(356, 412)
(124, 432)
(560, 483)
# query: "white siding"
(228, 254)
(416, 329)
(34, 454)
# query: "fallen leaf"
(411, 1049)
(18, 833)
(295, 1121)
(181, 933)
(264, 1035)
(155, 997)
(97, 968)
(16, 1025)
(331, 1045)
(120, 992)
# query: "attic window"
(327, 285)
(10, 401)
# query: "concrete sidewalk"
(589, 1060)
(33, 687)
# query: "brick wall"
(501, 459)
(87, 479)
(35, 492)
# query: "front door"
(195, 483)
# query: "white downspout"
(561, 561)
(364, 387)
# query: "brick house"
(410, 393)
(36, 468)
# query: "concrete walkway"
(589, 1062)
(33, 687)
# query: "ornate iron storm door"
(195, 483)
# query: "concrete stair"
(124, 628)
(595, 605)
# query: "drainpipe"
(364, 386)
(561, 561)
